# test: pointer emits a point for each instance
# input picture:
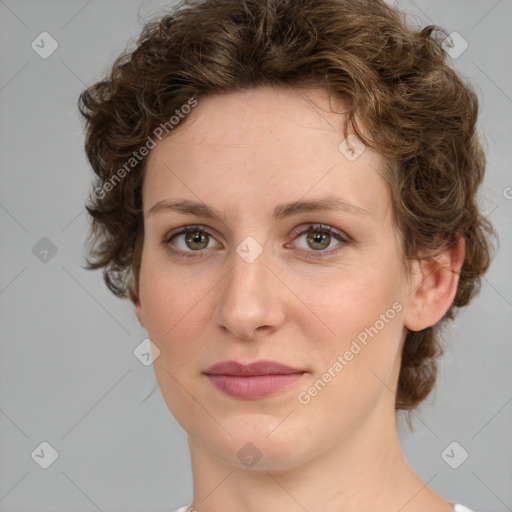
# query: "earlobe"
(432, 292)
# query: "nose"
(250, 302)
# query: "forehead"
(262, 146)
(260, 115)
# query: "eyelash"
(322, 228)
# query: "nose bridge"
(249, 297)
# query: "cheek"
(357, 366)
(363, 311)
(356, 300)
(168, 303)
(174, 321)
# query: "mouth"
(252, 381)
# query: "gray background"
(68, 373)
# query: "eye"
(319, 237)
(189, 240)
(194, 241)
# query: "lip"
(254, 380)
(252, 369)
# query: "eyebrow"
(281, 211)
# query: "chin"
(258, 444)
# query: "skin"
(244, 153)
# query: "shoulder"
(186, 509)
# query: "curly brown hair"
(416, 110)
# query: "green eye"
(193, 239)
(196, 240)
(317, 240)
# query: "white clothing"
(456, 508)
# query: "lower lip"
(256, 386)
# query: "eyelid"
(341, 236)
(304, 228)
(190, 227)
(166, 241)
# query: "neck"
(365, 472)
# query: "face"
(318, 287)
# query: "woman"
(286, 192)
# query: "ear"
(433, 287)
(135, 298)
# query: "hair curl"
(416, 111)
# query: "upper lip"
(256, 368)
